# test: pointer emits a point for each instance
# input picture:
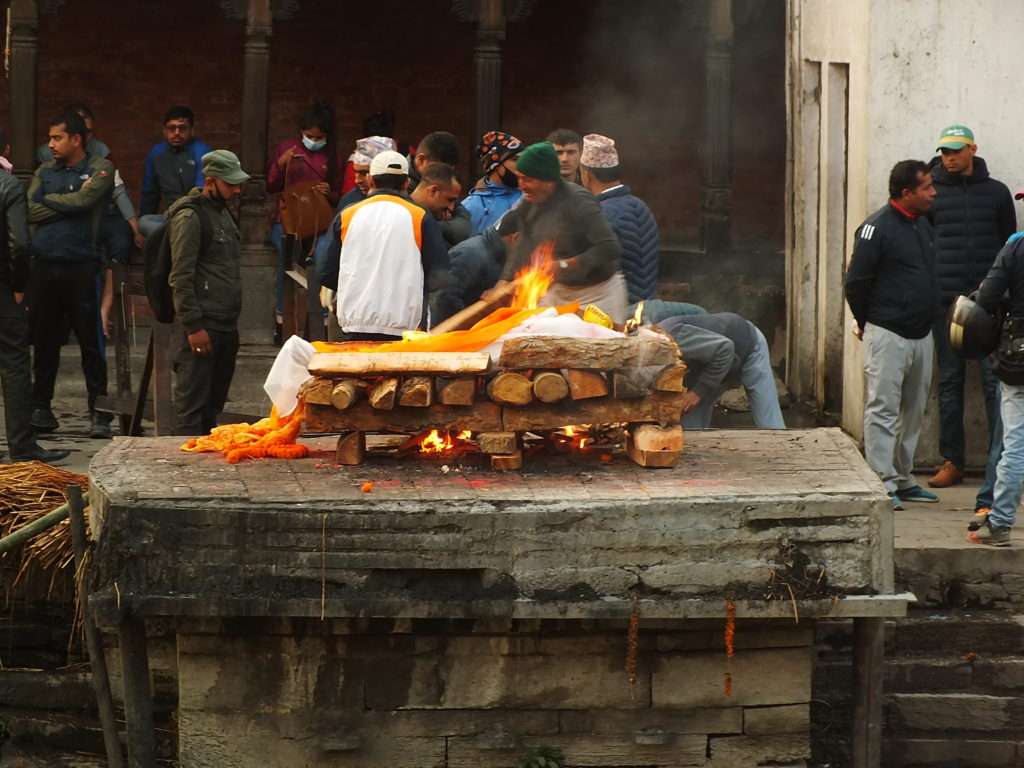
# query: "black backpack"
(157, 254)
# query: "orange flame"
(436, 442)
(534, 280)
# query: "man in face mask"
(498, 189)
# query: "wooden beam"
(507, 462)
(869, 674)
(482, 417)
(383, 394)
(256, 90)
(138, 697)
(372, 363)
(416, 392)
(498, 442)
(22, 84)
(164, 340)
(658, 408)
(554, 352)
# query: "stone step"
(55, 691)
(951, 753)
(956, 633)
(954, 714)
(998, 675)
(961, 576)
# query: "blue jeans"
(1010, 472)
(758, 380)
(995, 453)
(277, 239)
(952, 373)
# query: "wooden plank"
(469, 316)
(585, 384)
(370, 363)
(317, 391)
(460, 391)
(482, 417)
(497, 442)
(653, 446)
(550, 387)
(510, 388)
(658, 408)
(416, 391)
(163, 337)
(672, 379)
(600, 354)
(383, 394)
(869, 675)
(504, 463)
(345, 393)
(351, 449)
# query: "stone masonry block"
(583, 751)
(945, 711)
(945, 752)
(760, 677)
(719, 720)
(747, 751)
(768, 721)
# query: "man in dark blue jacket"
(173, 167)
(893, 294)
(972, 216)
(629, 216)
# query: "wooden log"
(369, 363)
(653, 446)
(656, 408)
(507, 462)
(476, 311)
(510, 388)
(498, 442)
(601, 354)
(351, 449)
(585, 384)
(671, 380)
(550, 387)
(416, 392)
(383, 394)
(460, 391)
(484, 416)
(345, 393)
(317, 391)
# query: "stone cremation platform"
(400, 614)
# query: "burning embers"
(444, 443)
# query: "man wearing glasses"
(173, 167)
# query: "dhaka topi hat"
(955, 137)
(598, 152)
(369, 147)
(496, 147)
(389, 162)
(223, 164)
(539, 161)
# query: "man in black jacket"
(893, 294)
(972, 216)
(15, 372)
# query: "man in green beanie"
(586, 250)
(206, 284)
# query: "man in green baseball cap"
(584, 251)
(955, 137)
(206, 284)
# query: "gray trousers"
(899, 373)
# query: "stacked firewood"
(539, 383)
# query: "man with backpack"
(206, 290)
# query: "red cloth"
(350, 178)
(304, 167)
(904, 211)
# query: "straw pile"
(29, 490)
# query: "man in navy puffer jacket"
(629, 216)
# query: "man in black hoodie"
(972, 217)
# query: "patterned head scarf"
(369, 147)
(495, 147)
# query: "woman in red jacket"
(310, 157)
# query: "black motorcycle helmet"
(973, 332)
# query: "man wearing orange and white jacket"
(387, 256)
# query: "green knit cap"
(539, 161)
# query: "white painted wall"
(915, 66)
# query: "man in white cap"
(366, 149)
(629, 216)
(389, 255)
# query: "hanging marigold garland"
(632, 646)
(730, 643)
(273, 437)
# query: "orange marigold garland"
(632, 646)
(730, 643)
(273, 437)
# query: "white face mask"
(311, 145)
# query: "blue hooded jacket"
(637, 231)
(488, 204)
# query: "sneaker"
(44, 421)
(947, 475)
(980, 518)
(99, 426)
(917, 493)
(990, 535)
(897, 506)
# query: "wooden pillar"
(24, 41)
(490, 33)
(138, 697)
(256, 94)
(718, 94)
(868, 672)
